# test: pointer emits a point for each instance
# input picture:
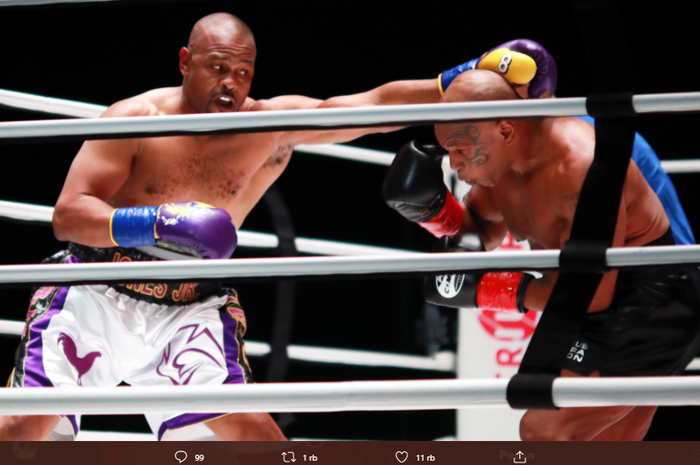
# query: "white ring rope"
(44, 2)
(377, 157)
(52, 105)
(273, 268)
(43, 214)
(681, 166)
(87, 110)
(326, 118)
(150, 126)
(343, 396)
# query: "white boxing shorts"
(147, 334)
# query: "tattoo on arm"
(473, 133)
(572, 201)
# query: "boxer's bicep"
(285, 102)
(102, 166)
(97, 173)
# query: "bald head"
(478, 86)
(220, 25)
(482, 152)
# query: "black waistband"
(629, 279)
(665, 239)
(169, 293)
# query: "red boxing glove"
(448, 220)
(502, 291)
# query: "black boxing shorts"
(652, 326)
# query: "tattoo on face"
(473, 133)
(572, 200)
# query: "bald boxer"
(526, 177)
(532, 72)
(145, 199)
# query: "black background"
(105, 52)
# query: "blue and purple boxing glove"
(190, 227)
(520, 62)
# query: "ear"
(185, 60)
(506, 129)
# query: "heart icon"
(401, 456)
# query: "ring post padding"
(582, 261)
(611, 105)
(583, 257)
(527, 391)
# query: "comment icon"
(181, 456)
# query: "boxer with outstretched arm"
(140, 199)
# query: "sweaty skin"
(227, 171)
(231, 172)
(526, 177)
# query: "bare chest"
(533, 211)
(214, 170)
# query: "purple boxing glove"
(197, 228)
(190, 227)
(544, 84)
(520, 62)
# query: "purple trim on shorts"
(231, 349)
(73, 259)
(34, 361)
(235, 376)
(34, 374)
(186, 419)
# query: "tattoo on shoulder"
(572, 201)
(473, 133)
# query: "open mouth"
(224, 103)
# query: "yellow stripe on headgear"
(516, 67)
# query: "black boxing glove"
(414, 187)
(501, 291)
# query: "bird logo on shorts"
(82, 364)
(449, 285)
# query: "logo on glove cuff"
(449, 285)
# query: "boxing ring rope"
(404, 395)
(45, 2)
(275, 268)
(43, 214)
(326, 118)
(344, 396)
(87, 110)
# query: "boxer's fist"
(454, 290)
(501, 291)
(414, 187)
(190, 227)
(520, 62)
(196, 228)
